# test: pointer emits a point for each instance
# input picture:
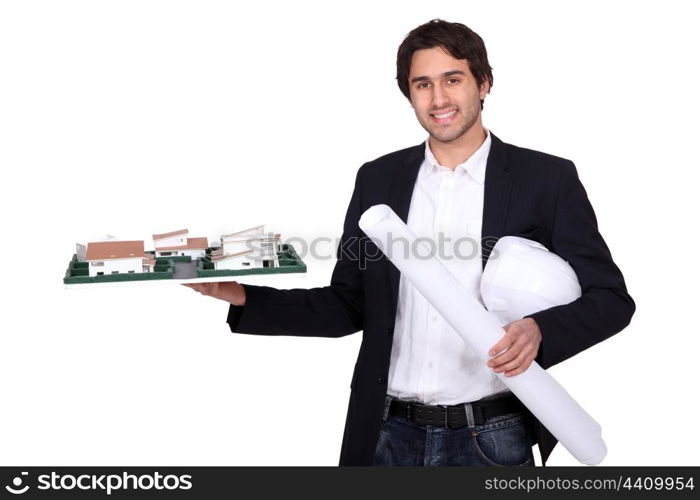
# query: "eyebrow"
(444, 75)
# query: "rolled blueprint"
(535, 388)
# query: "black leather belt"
(455, 416)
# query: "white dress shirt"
(429, 361)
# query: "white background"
(141, 117)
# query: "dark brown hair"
(455, 38)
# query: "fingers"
(518, 364)
(203, 288)
(519, 370)
(514, 350)
(229, 291)
(518, 355)
(524, 365)
(505, 342)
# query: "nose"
(440, 99)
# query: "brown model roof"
(105, 250)
(167, 235)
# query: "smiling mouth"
(443, 117)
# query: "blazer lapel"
(498, 184)
(400, 194)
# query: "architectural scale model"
(177, 256)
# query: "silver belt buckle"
(469, 410)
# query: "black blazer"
(526, 193)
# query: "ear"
(484, 89)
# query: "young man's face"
(444, 94)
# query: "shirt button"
(389, 331)
(380, 379)
(434, 318)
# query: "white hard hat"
(522, 277)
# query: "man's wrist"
(236, 294)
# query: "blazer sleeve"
(605, 307)
(331, 311)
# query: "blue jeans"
(504, 440)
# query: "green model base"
(78, 272)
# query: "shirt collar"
(475, 165)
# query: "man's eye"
(423, 85)
(453, 81)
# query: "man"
(419, 395)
